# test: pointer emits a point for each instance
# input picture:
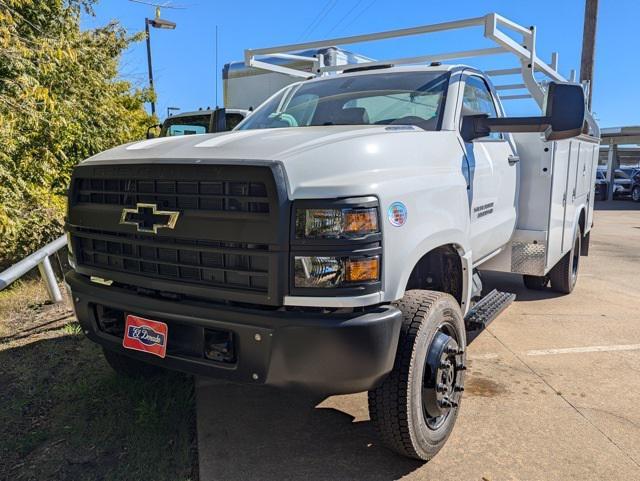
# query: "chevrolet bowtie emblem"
(147, 218)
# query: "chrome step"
(487, 309)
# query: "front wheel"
(415, 408)
(635, 194)
(564, 274)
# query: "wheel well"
(439, 270)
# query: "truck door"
(492, 175)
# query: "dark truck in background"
(204, 121)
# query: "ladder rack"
(494, 29)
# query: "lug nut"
(458, 388)
(441, 388)
(461, 367)
(451, 350)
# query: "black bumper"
(325, 353)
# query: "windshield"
(399, 98)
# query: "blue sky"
(184, 59)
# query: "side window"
(477, 100)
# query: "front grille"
(230, 240)
(210, 263)
(221, 195)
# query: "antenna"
(216, 72)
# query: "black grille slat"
(213, 269)
(234, 196)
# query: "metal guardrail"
(40, 258)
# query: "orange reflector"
(361, 220)
(359, 270)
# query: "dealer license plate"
(145, 335)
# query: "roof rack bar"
(279, 69)
(504, 71)
(516, 97)
(423, 58)
(405, 32)
(510, 86)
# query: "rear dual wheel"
(415, 408)
(564, 274)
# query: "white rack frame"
(494, 26)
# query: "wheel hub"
(443, 379)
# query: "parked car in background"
(601, 186)
(205, 121)
(622, 184)
(635, 186)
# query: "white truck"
(334, 239)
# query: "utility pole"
(589, 44)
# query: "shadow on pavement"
(250, 432)
(617, 205)
(513, 283)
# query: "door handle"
(513, 159)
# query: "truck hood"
(327, 160)
(264, 144)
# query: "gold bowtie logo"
(147, 218)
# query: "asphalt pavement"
(552, 393)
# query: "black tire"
(537, 283)
(564, 274)
(399, 407)
(129, 367)
(635, 194)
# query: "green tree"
(61, 101)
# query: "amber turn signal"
(361, 220)
(365, 269)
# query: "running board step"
(487, 309)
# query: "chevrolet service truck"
(333, 240)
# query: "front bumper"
(326, 353)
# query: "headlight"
(343, 223)
(327, 271)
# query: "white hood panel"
(318, 161)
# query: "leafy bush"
(61, 101)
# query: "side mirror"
(220, 120)
(150, 134)
(565, 109)
(564, 117)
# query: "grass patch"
(64, 414)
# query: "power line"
(360, 14)
(321, 16)
(351, 10)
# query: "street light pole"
(146, 30)
(156, 22)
